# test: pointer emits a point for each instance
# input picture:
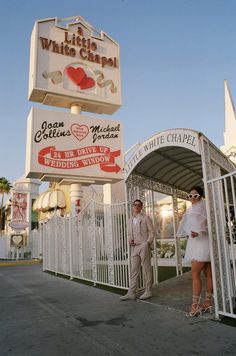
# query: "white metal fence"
(91, 246)
(223, 230)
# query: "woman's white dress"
(195, 219)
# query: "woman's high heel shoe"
(195, 308)
(207, 306)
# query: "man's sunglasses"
(194, 196)
(138, 205)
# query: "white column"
(76, 189)
(107, 193)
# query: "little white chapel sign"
(71, 64)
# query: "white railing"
(91, 246)
(224, 243)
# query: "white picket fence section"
(36, 243)
(224, 248)
(13, 253)
(4, 247)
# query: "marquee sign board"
(71, 65)
(69, 146)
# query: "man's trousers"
(140, 255)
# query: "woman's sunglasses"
(194, 196)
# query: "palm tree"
(5, 187)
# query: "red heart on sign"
(86, 83)
(76, 74)
(79, 131)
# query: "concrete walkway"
(46, 315)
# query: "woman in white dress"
(194, 224)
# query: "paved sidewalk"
(46, 315)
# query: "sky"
(175, 56)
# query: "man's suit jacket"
(144, 230)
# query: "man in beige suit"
(141, 234)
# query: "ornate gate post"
(92, 236)
(109, 233)
(179, 267)
(210, 171)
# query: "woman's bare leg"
(207, 304)
(197, 267)
(208, 275)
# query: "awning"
(172, 157)
(178, 167)
(51, 199)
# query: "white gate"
(224, 251)
(91, 246)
